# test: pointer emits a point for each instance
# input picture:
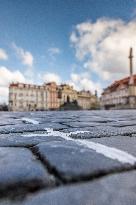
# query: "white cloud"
(53, 53)
(3, 54)
(6, 77)
(51, 77)
(103, 46)
(82, 81)
(25, 56)
(54, 50)
(4, 95)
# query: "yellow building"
(86, 100)
(50, 96)
(66, 93)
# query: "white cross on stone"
(110, 152)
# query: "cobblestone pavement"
(68, 158)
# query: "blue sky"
(36, 39)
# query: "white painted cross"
(110, 152)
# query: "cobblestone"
(20, 170)
(76, 162)
(64, 158)
(114, 190)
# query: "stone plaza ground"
(68, 158)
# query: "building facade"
(119, 95)
(53, 101)
(50, 96)
(66, 93)
(26, 97)
(86, 100)
(122, 93)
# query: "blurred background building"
(50, 96)
(122, 93)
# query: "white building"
(26, 97)
(50, 96)
(122, 93)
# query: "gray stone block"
(117, 189)
(73, 161)
(19, 169)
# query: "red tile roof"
(124, 81)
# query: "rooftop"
(116, 84)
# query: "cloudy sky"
(81, 42)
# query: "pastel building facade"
(86, 100)
(119, 95)
(49, 96)
(27, 97)
(52, 99)
(66, 93)
(122, 93)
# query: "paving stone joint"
(68, 158)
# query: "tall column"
(131, 81)
(132, 99)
